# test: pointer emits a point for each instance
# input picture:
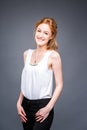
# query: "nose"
(40, 34)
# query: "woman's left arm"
(57, 69)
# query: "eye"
(38, 30)
(46, 33)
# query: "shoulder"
(55, 58)
(25, 53)
(55, 55)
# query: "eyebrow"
(45, 30)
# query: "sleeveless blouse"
(37, 80)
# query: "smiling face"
(42, 34)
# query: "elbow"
(60, 87)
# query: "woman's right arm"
(20, 99)
(20, 109)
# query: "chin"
(40, 44)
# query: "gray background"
(17, 19)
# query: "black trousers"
(31, 107)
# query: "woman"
(36, 101)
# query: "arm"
(57, 69)
(56, 65)
(20, 109)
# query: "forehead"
(44, 26)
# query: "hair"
(52, 44)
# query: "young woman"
(37, 98)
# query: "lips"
(40, 39)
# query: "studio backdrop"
(17, 20)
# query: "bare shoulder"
(55, 59)
(55, 56)
(25, 55)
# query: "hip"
(32, 106)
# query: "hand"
(21, 113)
(42, 114)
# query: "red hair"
(52, 44)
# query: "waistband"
(37, 100)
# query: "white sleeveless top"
(37, 80)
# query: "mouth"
(40, 39)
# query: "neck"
(41, 49)
(38, 54)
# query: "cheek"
(48, 38)
(35, 35)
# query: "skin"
(42, 36)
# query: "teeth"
(40, 39)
